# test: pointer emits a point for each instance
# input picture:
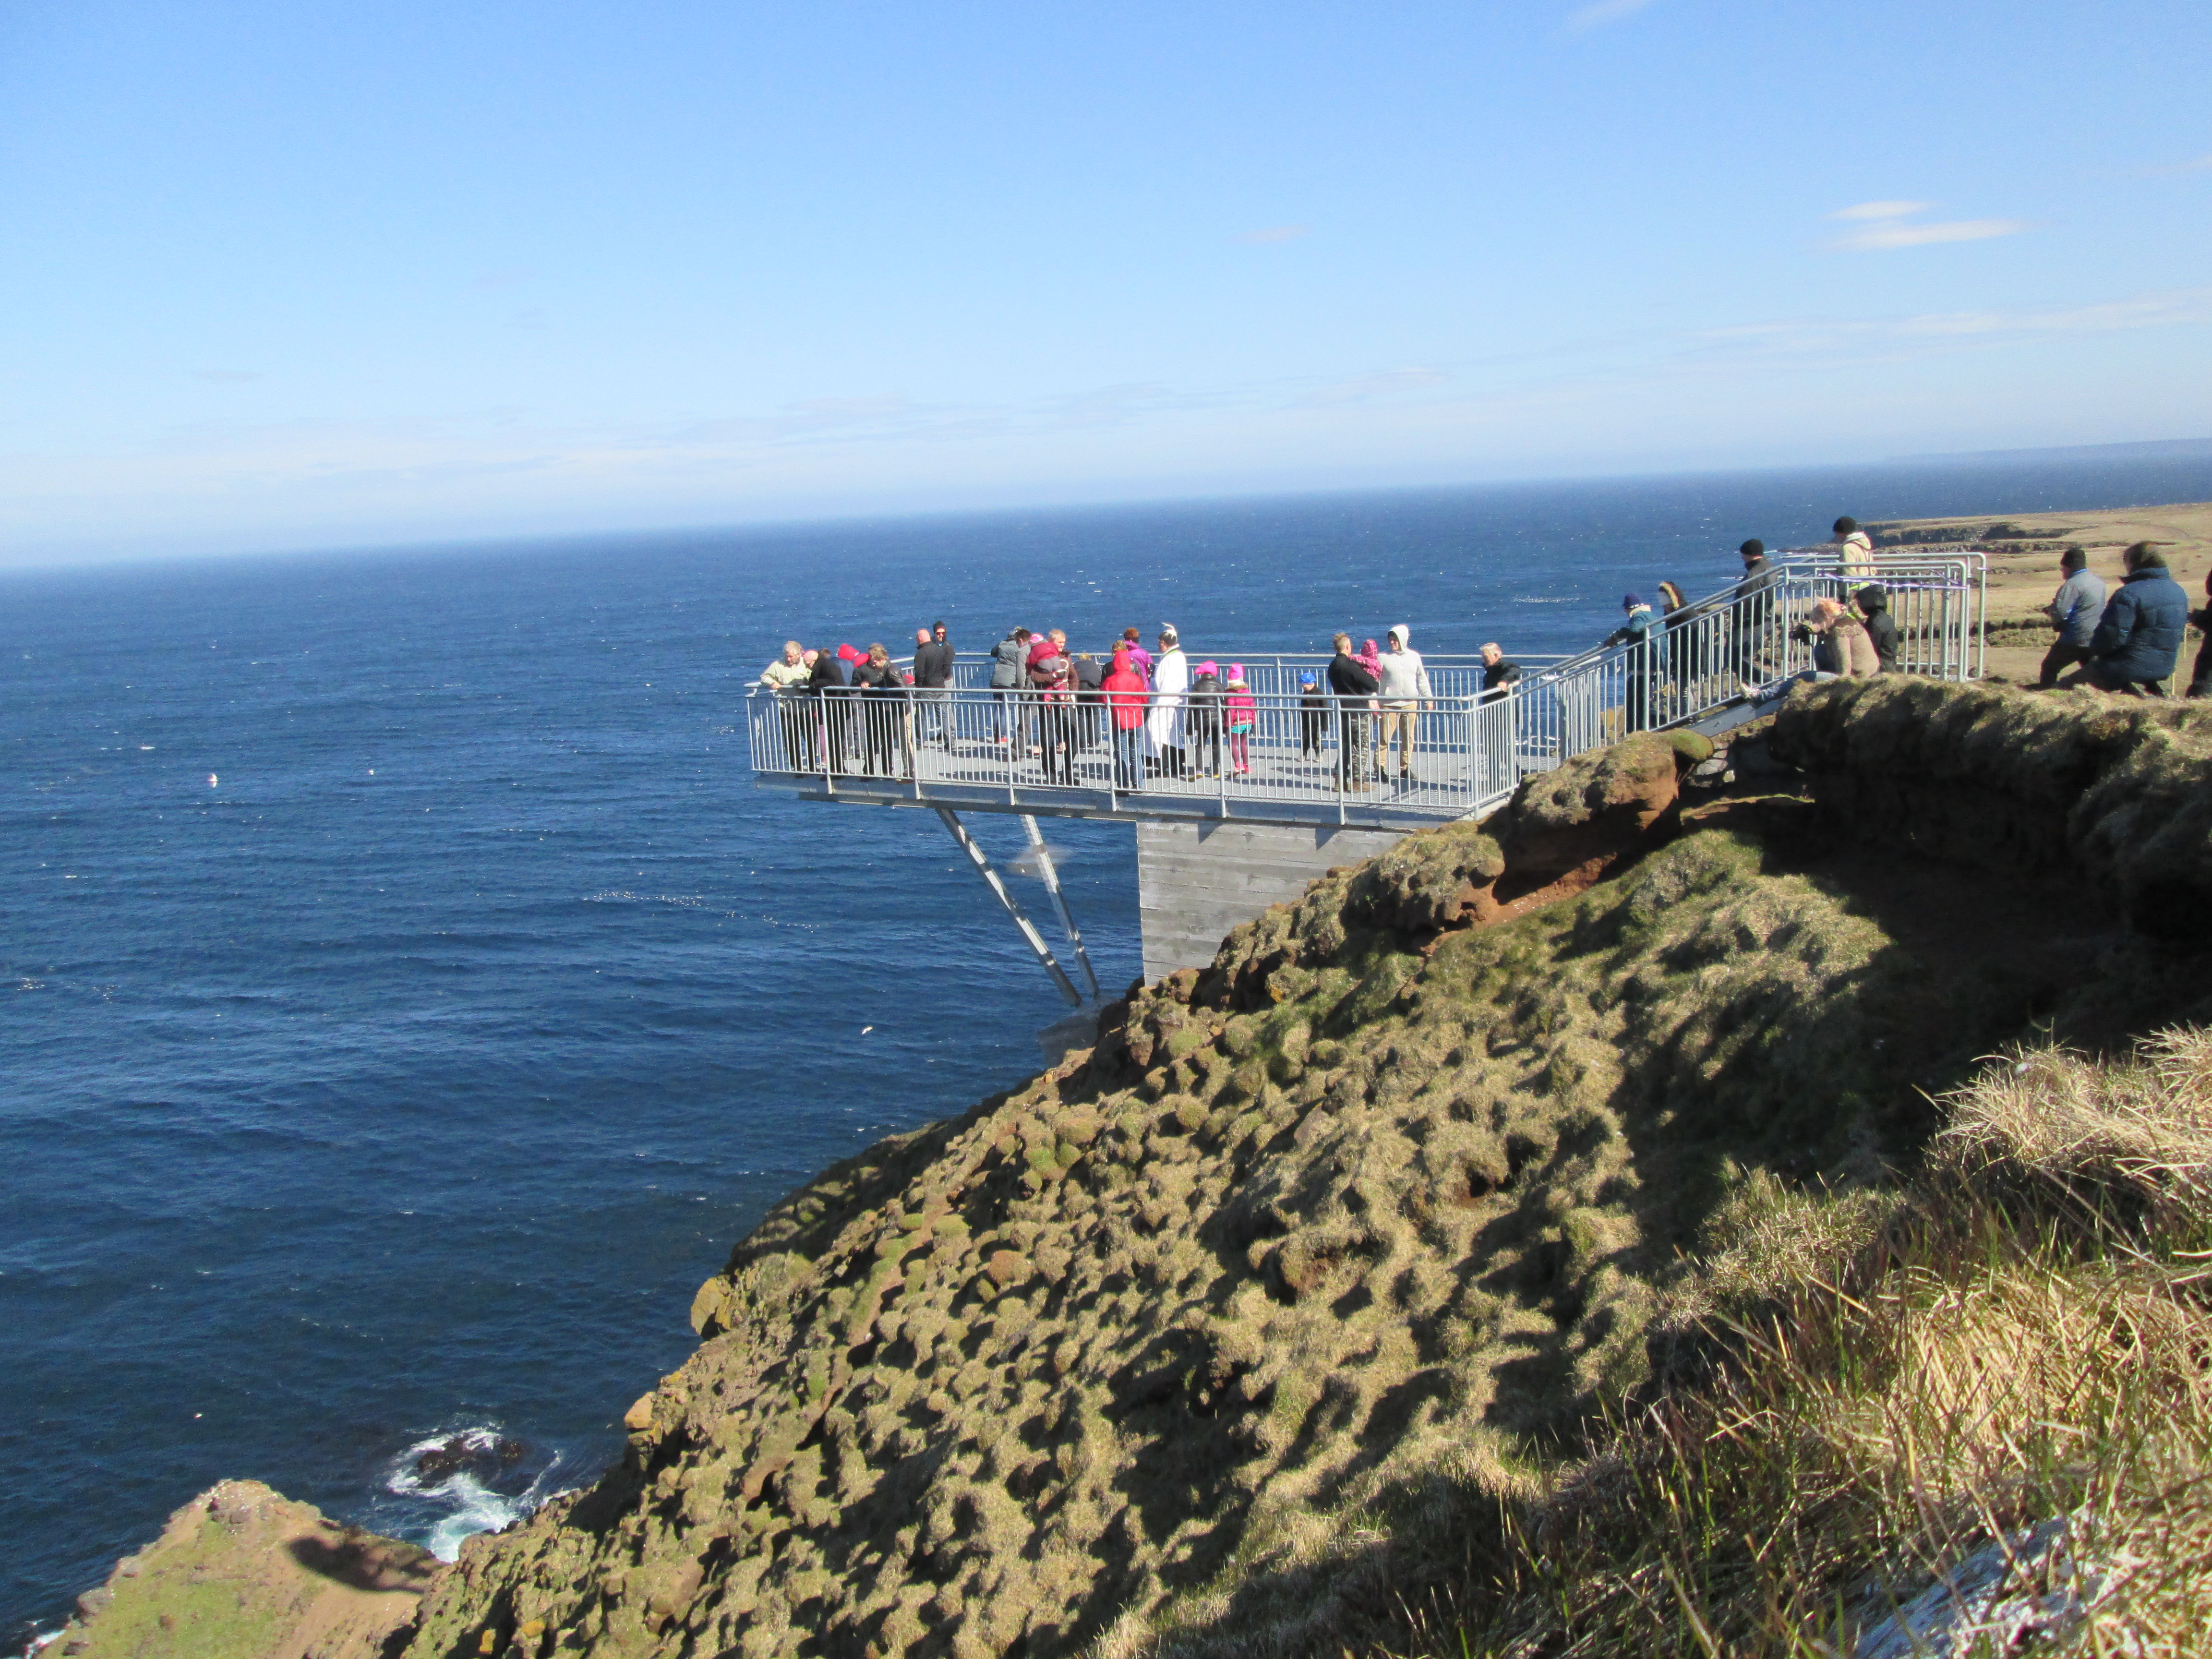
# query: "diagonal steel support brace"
(1051, 874)
(958, 831)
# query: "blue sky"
(285, 275)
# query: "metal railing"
(1277, 674)
(1315, 758)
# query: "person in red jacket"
(1126, 694)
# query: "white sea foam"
(463, 1503)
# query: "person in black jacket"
(1756, 618)
(1201, 719)
(826, 684)
(1498, 675)
(2138, 643)
(1873, 603)
(932, 683)
(1354, 687)
(1313, 713)
(883, 711)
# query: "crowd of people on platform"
(1162, 715)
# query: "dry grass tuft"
(1993, 1395)
(2142, 1126)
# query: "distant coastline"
(2155, 449)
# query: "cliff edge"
(1248, 1330)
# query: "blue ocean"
(406, 999)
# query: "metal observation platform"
(1304, 793)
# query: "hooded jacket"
(2140, 638)
(1405, 677)
(1008, 664)
(1635, 630)
(1881, 627)
(1125, 694)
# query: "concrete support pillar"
(1195, 882)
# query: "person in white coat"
(1171, 680)
(1406, 691)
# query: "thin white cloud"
(1881, 211)
(1814, 338)
(2196, 164)
(1276, 234)
(1885, 225)
(1601, 13)
(1893, 234)
(226, 376)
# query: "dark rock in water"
(441, 1460)
(464, 1455)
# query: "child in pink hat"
(1243, 715)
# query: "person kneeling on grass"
(2075, 611)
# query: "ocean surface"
(406, 1000)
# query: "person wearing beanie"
(1872, 602)
(1313, 713)
(1201, 719)
(1856, 549)
(1638, 660)
(1242, 713)
(1405, 692)
(1755, 619)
